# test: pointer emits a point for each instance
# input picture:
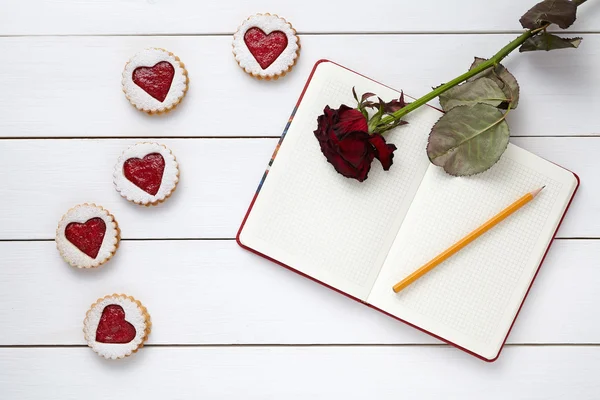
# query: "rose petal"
(323, 121)
(349, 171)
(343, 167)
(363, 170)
(350, 119)
(350, 153)
(383, 152)
(354, 147)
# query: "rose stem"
(492, 62)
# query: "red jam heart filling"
(145, 173)
(112, 327)
(156, 81)
(88, 236)
(265, 48)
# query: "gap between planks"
(300, 345)
(302, 33)
(216, 239)
(141, 137)
(589, 135)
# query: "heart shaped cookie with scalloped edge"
(146, 174)
(116, 326)
(154, 81)
(266, 46)
(87, 236)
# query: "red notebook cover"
(347, 294)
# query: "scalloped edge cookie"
(135, 194)
(284, 62)
(138, 97)
(140, 320)
(82, 213)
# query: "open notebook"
(362, 238)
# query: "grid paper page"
(332, 228)
(471, 299)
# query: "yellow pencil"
(466, 240)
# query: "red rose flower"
(346, 143)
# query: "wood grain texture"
(41, 17)
(213, 292)
(71, 86)
(42, 179)
(301, 373)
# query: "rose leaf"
(503, 78)
(547, 41)
(559, 12)
(483, 90)
(468, 140)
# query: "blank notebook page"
(332, 228)
(472, 298)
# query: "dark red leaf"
(395, 105)
(366, 96)
(559, 12)
(547, 41)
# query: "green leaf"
(468, 140)
(559, 12)
(374, 121)
(483, 90)
(547, 41)
(503, 78)
(389, 126)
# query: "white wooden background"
(227, 324)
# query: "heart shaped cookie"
(146, 174)
(266, 46)
(113, 328)
(155, 81)
(87, 236)
(116, 326)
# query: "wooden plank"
(301, 373)
(40, 17)
(213, 292)
(218, 180)
(42, 179)
(70, 86)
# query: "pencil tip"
(537, 191)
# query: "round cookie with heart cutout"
(146, 174)
(266, 46)
(155, 81)
(87, 236)
(116, 326)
